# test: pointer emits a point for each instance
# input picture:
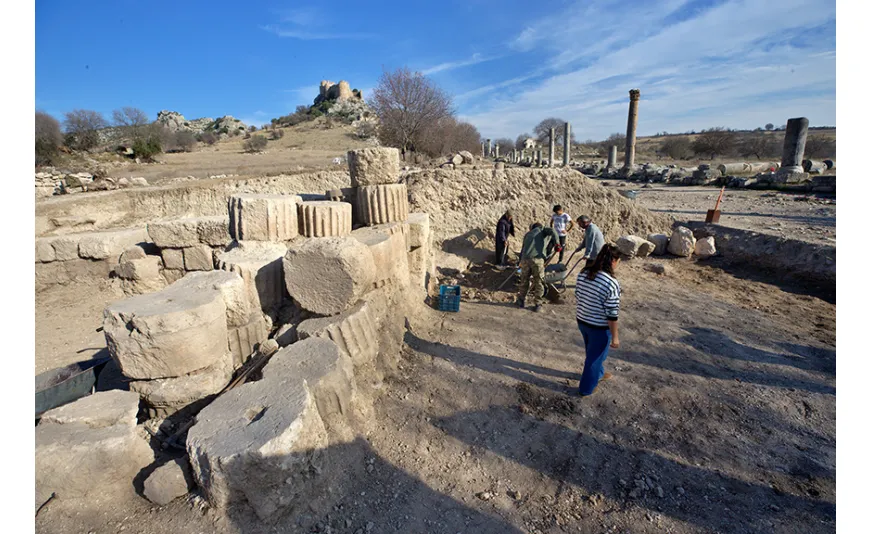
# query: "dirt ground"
(718, 398)
(809, 218)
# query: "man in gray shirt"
(593, 240)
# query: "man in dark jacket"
(503, 229)
(538, 245)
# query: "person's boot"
(536, 308)
(606, 376)
(520, 302)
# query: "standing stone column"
(794, 144)
(482, 149)
(566, 150)
(550, 162)
(611, 156)
(539, 156)
(631, 130)
(488, 147)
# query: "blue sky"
(698, 63)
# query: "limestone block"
(327, 276)
(631, 245)
(231, 288)
(173, 258)
(324, 218)
(327, 372)
(705, 247)
(187, 232)
(661, 243)
(389, 253)
(242, 340)
(353, 331)
(168, 482)
(198, 258)
(373, 166)
(419, 229)
(147, 268)
(103, 409)
(66, 247)
(682, 242)
(103, 245)
(173, 275)
(132, 253)
(165, 396)
(467, 157)
(172, 332)
(44, 250)
(90, 448)
(418, 267)
(259, 217)
(260, 444)
(260, 267)
(379, 204)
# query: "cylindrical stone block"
(794, 144)
(372, 166)
(566, 149)
(260, 266)
(631, 129)
(611, 156)
(256, 217)
(489, 147)
(171, 332)
(496, 151)
(552, 147)
(379, 204)
(734, 168)
(323, 218)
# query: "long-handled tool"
(713, 214)
(506, 280)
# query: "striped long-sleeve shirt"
(597, 299)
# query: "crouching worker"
(597, 294)
(538, 245)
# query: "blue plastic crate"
(448, 298)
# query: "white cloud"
(473, 60)
(305, 35)
(705, 70)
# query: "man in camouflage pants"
(538, 245)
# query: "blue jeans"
(597, 341)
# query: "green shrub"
(255, 144)
(146, 147)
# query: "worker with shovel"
(538, 245)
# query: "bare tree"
(129, 117)
(760, 146)
(768, 126)
(819, 146)
(48, 138)
(542, 130)
(716, 141)
(676, 148)
(504, 144)
(448, 136)
(81, 127)
(406, 103)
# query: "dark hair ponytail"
(603, 261)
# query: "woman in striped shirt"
(597, 293)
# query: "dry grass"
(310, 145)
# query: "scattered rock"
(631, 246)
(168, 482)
(705, 247)
(657, 268)
(682, 242)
